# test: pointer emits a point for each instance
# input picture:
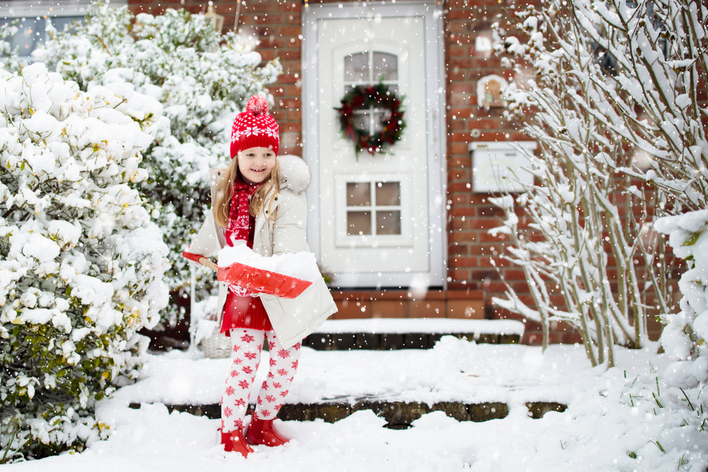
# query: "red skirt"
(244, 312)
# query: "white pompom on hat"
(254, 128)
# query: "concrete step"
(421, 333)
(398, 415)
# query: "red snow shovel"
(254, 279)
(263, 281)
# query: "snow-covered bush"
(81, 262)
(685, 335)
(203, 79)
(616, 92)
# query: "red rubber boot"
(262, 432)
(234, 441)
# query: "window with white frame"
(373, 208)
(33, 19)
(33, 31)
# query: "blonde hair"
(221, 206)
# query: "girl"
(259, 200)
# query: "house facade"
(403, 233)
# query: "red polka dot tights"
(247, 346)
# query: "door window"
(368, 68)
(373, 208)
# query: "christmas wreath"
(379, 97)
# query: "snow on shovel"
(283, 275)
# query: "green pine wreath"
(380, 97)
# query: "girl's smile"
(256, 164)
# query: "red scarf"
(239, 216)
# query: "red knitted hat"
(254, 128)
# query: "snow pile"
(81, 263)
(684, 337)
(301, 265)
(202, 79)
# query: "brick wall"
(469, 215)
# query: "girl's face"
(256, 164)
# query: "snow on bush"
(616, 93)
(685, 335)
(203, 79)
(81, 263)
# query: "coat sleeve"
(290, 226)
(206, 242)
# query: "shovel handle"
(207, 262)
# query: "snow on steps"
(392, 334)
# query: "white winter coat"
(292, 319)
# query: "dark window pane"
(358, 194)
(388, 222)
(358, 222)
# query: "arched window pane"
(356, 67)
(385, 66)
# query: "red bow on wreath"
(379, 96)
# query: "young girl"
(259, 200)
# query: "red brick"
(290, 6)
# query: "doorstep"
(418, 333)
(460, 304)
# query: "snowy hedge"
(81, 263)
(203, 79)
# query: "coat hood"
(294, 173)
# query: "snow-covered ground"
(612, 415)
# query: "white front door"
(378, 217)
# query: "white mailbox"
(499, 166)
